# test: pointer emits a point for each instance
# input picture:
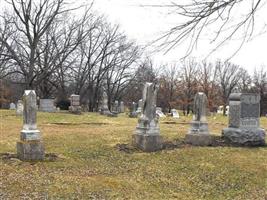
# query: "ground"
(89, 157)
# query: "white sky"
(145, 24)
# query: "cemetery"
(133, 99)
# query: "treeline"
(45, 46)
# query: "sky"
(144, 24)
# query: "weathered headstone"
(115, 107)
(12, 106)
(198, 133)
(174, 113)
(30, 146)
(159, 112)
(121, 107)
(104, 110)
(75, 104)
(133, 112)
(147, 135)
(140, 105)
(244, 120)
(47, 105)
(19, 109)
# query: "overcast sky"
(146, 23)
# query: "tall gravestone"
(244, 120)
(47, 105)
(75, 104)
(121, 108)
(198, 133)
(30, 146)
(147, 134)
(19, 108)
(115, 107)
(104, 110)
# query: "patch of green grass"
(91, 167)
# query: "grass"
(90, 166)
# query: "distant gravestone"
(115, 107)
(19, 109)
(133, 112)
(199, 134)
(121, 107)
(30, 146)
(159, 112)
(47, 105)
(75, 104)
(104, 110)
(147, 135)
(244, 120)
(139, 108)
(174, 113)
(12, 106)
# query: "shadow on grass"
(217, 141)
(12, 157)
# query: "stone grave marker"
(198, 133)
(244, 120)
(47, 105)
(19, 109)
(75, 104)
(147, 134)
(30, 146)
(12, 106)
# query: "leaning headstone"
(198, 133)
(147, 135)
(140, 105)
(244, 120)
(121, 107)
(30, 146)
(75, 104)
(159, 112)
(47, 105)
(133, 113)
(12, 106)
(174, 113)
(19, 109)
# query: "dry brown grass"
(91, 167)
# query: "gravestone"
(140, 105)
(174, 113)
(75, 104)
(133, 113)
(115, 107)
(104, 110)
(147, 134)
(47, 105)
(121, 107)
(30, 146)
(12, 106)
(159, 112)
(244, 120)
(19, 109)
(198, 133)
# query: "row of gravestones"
(244, 125)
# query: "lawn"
(87, 160)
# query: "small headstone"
(75, 104)
(140, 105)
(30, 146)
(47, 105)
(147, 135)
(159, 112)
(121, 107)
(133, 113)
(174, 113)
(19, 109)
(12, 106)
(199, 134)
(244, 120)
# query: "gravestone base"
(75, 109)
(147, 143)
(30, 150)
(198, 139)
(199, 127)
(244, 137)
(133, 115)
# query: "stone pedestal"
(30, 150)
(245, 137)
(147, 143)
(198, 139)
